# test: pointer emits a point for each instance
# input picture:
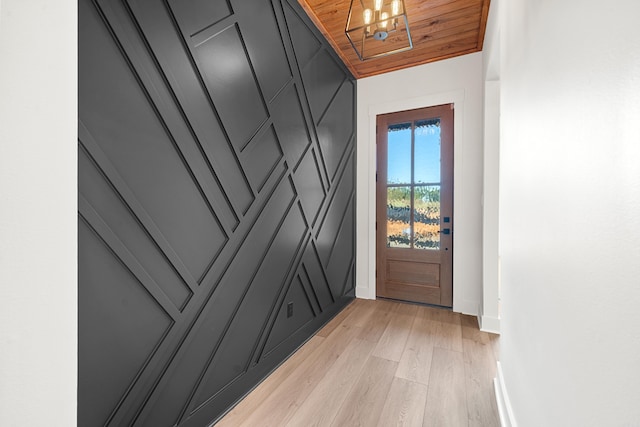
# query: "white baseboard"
(365, 292)
(502, 399)
(466, 307)
(489, 324)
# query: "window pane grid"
(413, 185)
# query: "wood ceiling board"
(440, 29)
(448, 47)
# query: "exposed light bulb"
(395, 7)
(377, 5)
(384, 17)
(367, 14)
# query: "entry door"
(415, 205)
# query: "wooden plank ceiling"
(440, 29)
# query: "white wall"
(38, 213)
(490, 309)
(570, 211)
(457, 81)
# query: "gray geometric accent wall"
(216, 190)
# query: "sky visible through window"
(427, 155)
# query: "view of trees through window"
(413, 185)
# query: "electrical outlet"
(290, 309)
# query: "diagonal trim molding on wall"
(216, 179)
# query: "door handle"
(445, 231)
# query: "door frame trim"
(366, 261)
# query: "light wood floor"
(381, 363)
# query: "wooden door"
(414, 205)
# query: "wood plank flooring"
(381, 363)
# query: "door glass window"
(399, 228)
(413, 185)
